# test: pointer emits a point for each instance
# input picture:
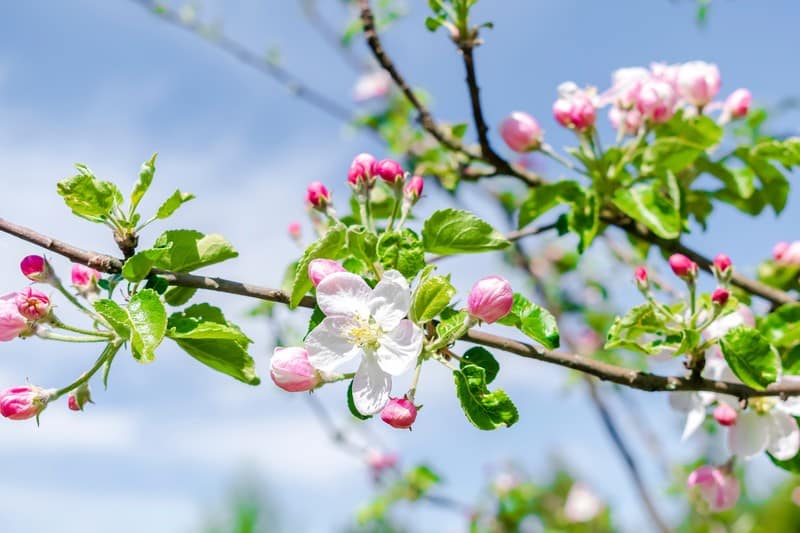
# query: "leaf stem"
(110, 350)
(57, 323)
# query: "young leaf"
(146, 174)
(451, 231)
(177, 296)
(647, 204)
(401, 251)
(189, 250)
(430, 298)
(627, 329)
(450, 321)
(116, 317)
(534, 321)
(545, 197)
(137, 268)
(750, 357)
(172, 203)
(351, 404)
(148, 321)
(329, 246)
(486, 410)
(481, 357)
(89, 197)
(203, 321)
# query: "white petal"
(792, 404)
(390, 300)
(371, 387)
(328, 345)
(399, 349)
(343, 294)
(694, 420)
(750, 435)
(784, 436)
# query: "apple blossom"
(79, 398)
(720, 296)
(719, 488)
(787, 254)
(682, 266)
(698, 82)
(294, 229)
(628, 121)
(36, 268)
(399, 413)
(33, 304)
(413, 189)
(372, 85)
(317, 195)
(656, 100)
(84, 278)
(768, 424)
(389, 171)
(521, 132)
(574, 108)
(722, 262)
(694, 404)
(318, 269)
(362, 170)
(291, 370)
(370, 323)
(582, 504)
(12, 323)
(21, 403)
(725, 415)
(625, 85)
(666, 73)
(640, 275)
(737, 104)
(379, 462)
(490, 299)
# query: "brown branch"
(623, 376)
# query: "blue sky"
(106, 84)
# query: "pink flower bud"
(787, 254)
(720, 296)
(79, 398)
(12, 323)
(574, 109)
(629, 121)
(725, 415)
(718, 488)
(666, 73)
(737, 104)
(640, 274)
(698, 82)
(379, 461)
(72, 403)
(389, 170)
(625, 85)
(413, 189)
(317, 195)
(722, 262)
(36, 268)
(682, 266)
(490, 299)
(779, 250)
(295, 230)
(84, 277)
(372, 85)
(362, 170)
(656, 100)
(33, 304)
(21, 403)
(399, 413)
(521, 132)
(318, 269)
(291, 370)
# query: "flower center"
(761, 405)
(365, 333)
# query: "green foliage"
(751, 357)
(484, 409)
(545, 197)
(534, 321)
(641, 320)
(188, 250)
(656, 205)
(481, 357)
(431, 296)
(89, 197)
(450, 321)
(172, 204)
(330, 246)
(116, 317)
(401, 251)
(146, 174)
(351, 404)
(452, 231)
(148, 321)
(412, 486)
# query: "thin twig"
(608, 372)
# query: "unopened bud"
(683, 267)
(725, 415)
(737, 104)
(36, 268)
(79, 397)
(521, 132)
(399, 413)
(640, 274)
(291, 370)
(295, 230)
(318, 269)
(21, 403)
(413, 189)
(390, 171)
(720, 297)
(490, 299)
(317, 195)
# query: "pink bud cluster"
(490, 299)
(575, 108)
(717, 486)
(786, 254)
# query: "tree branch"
(623, 376)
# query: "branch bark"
(623, 376)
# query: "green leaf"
(750, 357)
(534, 321)
(430, 298)
(626, 331)
(362, 244)
(482, 358)
(781, 327)
(189, 250)
(545, 197)
(450, 320)
(329, 246)
(89, 197)
(584, 219)
(146, 174)
(177, 296)
(451, 231)
(653, 206)
(401, 251)
(148, 320)
(137, 267)
(351, 404)
(485, 410)
(172, 203)
(203, 332)
(790, 465)
(115, 316)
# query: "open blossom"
(629, 121)
(698, 82)
(575, 108)
(33, 304)
(318, 269)
(371, 323)
(694, 404)
(625, 85)
(521, 132)
(737, 104)
(656, 100)
(291, 370)
(490, 299)
(12, 323)
(666, 73)
(787, 254)
(399, 413)
(582, 505)
(720, 489)
(372, 85)
(21, 403)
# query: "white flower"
(367, 322)
(694, 403)
(582, 504)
